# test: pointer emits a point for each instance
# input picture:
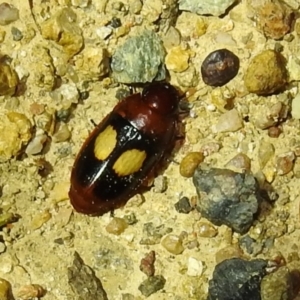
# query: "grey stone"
(152, 284)
(237, 279)
(140, 59)
(227, 197)
(83, 281)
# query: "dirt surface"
(41, 244)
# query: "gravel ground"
(39, 247)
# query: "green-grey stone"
(140, 59)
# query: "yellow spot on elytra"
(129, 162)
(105, 143)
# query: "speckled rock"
(227, 197)
(92, 63)
(140, 59)
(84, 282)
(273, 18)
(62, 29)
(206, 7)
(152, 233)
(266, 73)
(8, 79)
(237, 279)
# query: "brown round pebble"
(219, 67)
(206, 230)
(189, 163)
(274, 131)
(116, 226)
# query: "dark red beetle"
(125, 150)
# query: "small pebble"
(160, 184)
(207, 230)
(8, 13)
(210, 148)
(114, 22)
(274, 131)
(147, 264)
(36, 145)
(266, 152)
(285, 163)
(104, 32)
(62, 133)
(183, 205)
(17, 34)
(172, 38)
(266, 73)
(219, 67)
(116, 226)
(195, 267)
(189, 163)
(151, 285)
(36, 108)
(229, 122)
(40, 219)
(228, 252)
(240, 162)
(173, 244)
(177, 59)
(271, 116)
(31, 291)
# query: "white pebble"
(229, 122)
(195, 267)
(104, 32)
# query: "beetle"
(126, 150)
